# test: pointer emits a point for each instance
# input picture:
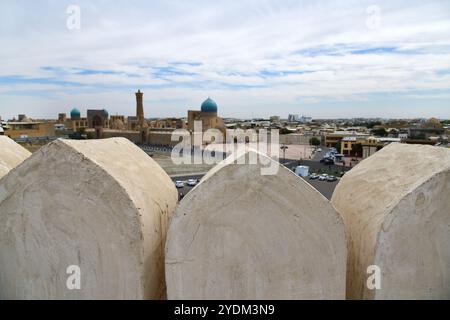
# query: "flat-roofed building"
(335, 138)
(372, 144)
(23, 130)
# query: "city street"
(324, 187)
(184, 179)
(319, 155)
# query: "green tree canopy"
(380, 132)
(314, 141)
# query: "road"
(324, 187)
(184, 179)
(319, 155)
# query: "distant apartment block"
(299, 118)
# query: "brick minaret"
(140, 107)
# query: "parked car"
(191, 182)
(323, 177)
(313, 176)
(331, 178)
(319, 150)
(179, 184)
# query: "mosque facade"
(137, 128)
(207, 115)
(75, 122)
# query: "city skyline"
(254, 58)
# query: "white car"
(323, 177)
(191, 182)
(313, 176)
(179, 184)
(331, 178)
(319, 150)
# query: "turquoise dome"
(75, 113)
(209, 106)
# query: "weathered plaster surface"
(242, 235)
(11, 155)
(103, 205)
(396, 210)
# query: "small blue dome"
(209, 106)
(75, 113)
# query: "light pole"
(284, 147)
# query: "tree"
(285, 131)
(338, 146)
(381, 132)
(420, 136)
(90, 135)
(314, 141)
(372, 124)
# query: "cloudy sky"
(255, 58)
